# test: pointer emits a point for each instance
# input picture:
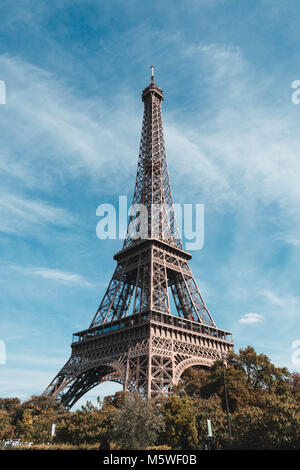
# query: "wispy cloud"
(61, 134)
(18, 214)
(274, 298)
(288, 302)
(54, 274)
(241, 152)
(250, 318)
(61, 276)
(288, 239)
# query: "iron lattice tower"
(135, 338)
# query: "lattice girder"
(144, 280)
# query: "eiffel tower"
(137, 337)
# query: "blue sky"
(70, 129)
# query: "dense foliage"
(264, 406)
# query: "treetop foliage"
(264, 412)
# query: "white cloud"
(289, 240)
(51, 132)
(54, 274)
(275, 299)
(240, 151)
(61, 276)
(289, 303)
(18, 214)
(250, 318)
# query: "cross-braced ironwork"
(152, 322)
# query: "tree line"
(263, 403)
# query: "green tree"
(274, 426)
(261, 374)
(210, 409)
(250, 377)
(89, 425)
(12, 406)
(6, 426)
(192, 382)
(295, 385)
(117, 400)
(36, 427)
(236, 381)
(137, 423)
(35, 416)
(180, 422)
(39, 403)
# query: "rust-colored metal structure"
(152, 323)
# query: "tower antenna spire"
(152, 73)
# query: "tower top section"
(152, 89)
(153, 214)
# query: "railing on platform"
(157, 317)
